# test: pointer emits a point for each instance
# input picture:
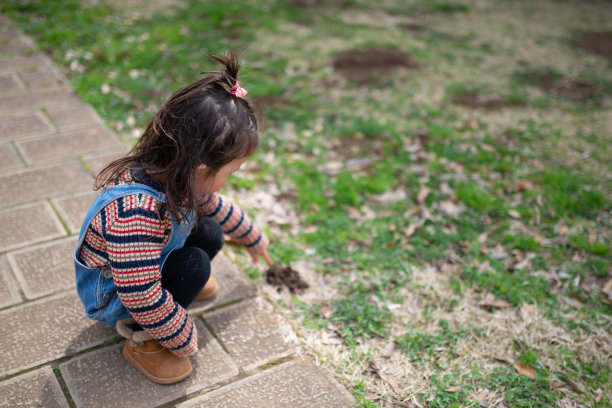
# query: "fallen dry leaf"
(607, 288)
(592, 237)
(391, 380)
(388, 350)
(470, 124)
(391, 196)
(423, 193)
(450, 208)
(525, 370)
(354, 213)
(446, 189)
(326, 310)
(499, 304)
(410, 230)
(333, 168)
(485, 266)
(523, 185)
(454, 388)
(503, 360)
(598, 397)
(514, 214)
(538, 165)
(388, 378)
(557, 384)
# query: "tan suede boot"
(157, 363)
(209, 290)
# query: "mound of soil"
(599, 43)
(412, 27)
(574, 89)
(302, 4)
(363, 66)
(279, 277)
(476, 101)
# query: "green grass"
(438, 344)
(360, 318)
(518, 390)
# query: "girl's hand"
(265, 255)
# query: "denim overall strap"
(95, 285)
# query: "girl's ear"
(201, 167)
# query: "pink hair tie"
(238, 91)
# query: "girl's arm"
(135, 237)
(234, 222)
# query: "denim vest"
(95, 285)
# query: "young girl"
(146, 244)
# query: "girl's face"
(205, 184)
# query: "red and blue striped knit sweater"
(129, 236)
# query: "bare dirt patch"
(364, 66)
(574, 89)
(285, 277)
(303, 4)
(599, 43)
(478, 102)
(412, 27)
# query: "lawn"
(438, 172)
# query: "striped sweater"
(128, 235)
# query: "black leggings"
(187, 270)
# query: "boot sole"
(151, 377)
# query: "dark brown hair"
(202, 123)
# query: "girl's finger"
(267, 258)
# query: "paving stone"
(44, 269)
(67, 144)
(43, 182)
(98, 162)
(39, 388)
(9, 33)
(9, 158)
(33, 101)
(9, 295)
(105, 375)
(28, 225)
(296, 384)
(74, 118)
(16, 45)
(8, 84)
(45, 330)
(42, 79)
(252, 333)
(22, 62)
(233, 285)
(18, 126)
(73, 209)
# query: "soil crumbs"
(285, 276)
(575, 90)
(599, 43)
(362, 66)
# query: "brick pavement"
(51, 146)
